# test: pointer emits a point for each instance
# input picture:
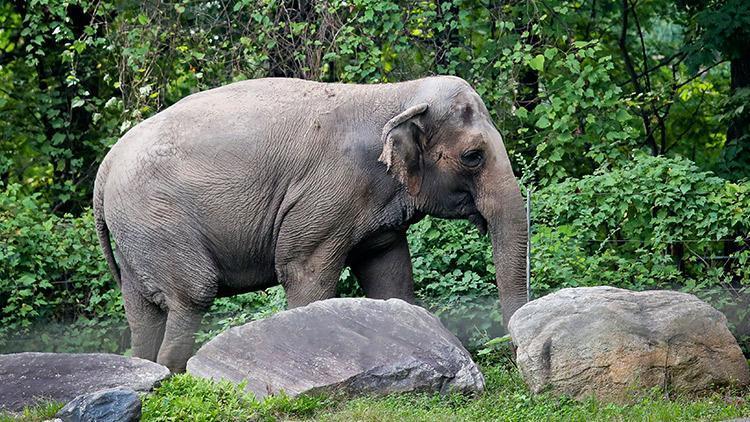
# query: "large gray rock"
(27, 378)
(610, 342)
(110, 405)
(349, 346)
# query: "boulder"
(609, 343)
(110, 405)
(347, 346)
(27, 378)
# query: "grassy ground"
(39, 413)
(506, 398)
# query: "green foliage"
(654, 223)
(183, 397)
(52, 270)
(58, 110)
(38, 413)
(579, 123)
(455, 278)
(505, 398)
(232, 311)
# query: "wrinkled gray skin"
(287, 181)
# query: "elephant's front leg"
(308, 276)
(383, 267)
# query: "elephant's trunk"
(503, 208)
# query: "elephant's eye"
(472, 158)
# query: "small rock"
(608, 342)
(27, 378)
(111, 405)
(349, 346)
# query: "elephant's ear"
(402, 148)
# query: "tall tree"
(722, 33)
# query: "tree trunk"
(737, 148)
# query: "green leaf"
(543, 122)
(77, 102)
(58, 138)
(537, 63)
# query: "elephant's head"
(444, 148)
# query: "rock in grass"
(609, 343)
(29, 378)
(349, 346)
(110, 405)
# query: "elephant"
(286, 181)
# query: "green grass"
(38, 413)
(183, 398)
(506, 398)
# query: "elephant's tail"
(102, 231)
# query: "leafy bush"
(455, 278)
(579, 123)
(51, 270)
(650, 224)
(655, 223)
(228, 312)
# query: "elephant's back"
(261, 119)
(209, 131)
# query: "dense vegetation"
(628, 122)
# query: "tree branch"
(634, 76)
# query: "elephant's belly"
(246, 280)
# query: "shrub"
(228, 312)
(655, 223)
(650, 224)
(455, 278)
(51, 270)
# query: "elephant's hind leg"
(179, 337)
(191, 285)
(146, 319)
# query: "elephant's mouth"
(479, 221)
